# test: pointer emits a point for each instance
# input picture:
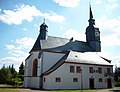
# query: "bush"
(16, 82)
(117, 84)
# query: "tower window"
(34, 70)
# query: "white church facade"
(61, 63)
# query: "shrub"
(16, 82)
(117, 84)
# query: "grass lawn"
(7, 88)
(75, 91)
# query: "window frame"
(78, 69)
(100, 80)
(99, 70)
(75, 79)
(58, 79)
(72, 69)
(91, 70)
(108, 70)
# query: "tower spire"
(44, 20)
(91, 15)
(91, 20)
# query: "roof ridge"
(59, 37)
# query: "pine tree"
(3, 75)
(21, 71)
(13, 71)
(117, 74)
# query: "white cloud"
(24, 29)
(18, 15)
(16, 61)
(67, 3)
(110, 36)
(26, 13)
(109, 30)
(10, 46)
(98, 1)
(52, 16)
(25, 42)
(17, 51)
(75, 34)
(19, 46)
(111, 5)
(111, 1)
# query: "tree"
(5, 75)
(21, 71)
(117, 74)
(13, 71)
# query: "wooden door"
(91, 83)
(109, 83)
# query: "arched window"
(34, 70)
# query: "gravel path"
(98, 90)
(30, 90)
(109, 90)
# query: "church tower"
(93, 34)
(43, 31)
(41, 36)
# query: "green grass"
(7, 88)
(75, 91)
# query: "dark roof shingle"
(60, 44)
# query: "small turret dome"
(43, 31)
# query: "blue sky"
(20, 21)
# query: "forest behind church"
(8, 75)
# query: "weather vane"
(44, 19)
(90, 4)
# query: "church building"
(61, 63)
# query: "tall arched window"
(34, 70)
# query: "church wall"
(30, 81)
(52, 58)
(27, 82)
(30, 63)
(34, 82)
(63, 72)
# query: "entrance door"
(109, 83)
(91, 83)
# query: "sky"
(20, 21)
